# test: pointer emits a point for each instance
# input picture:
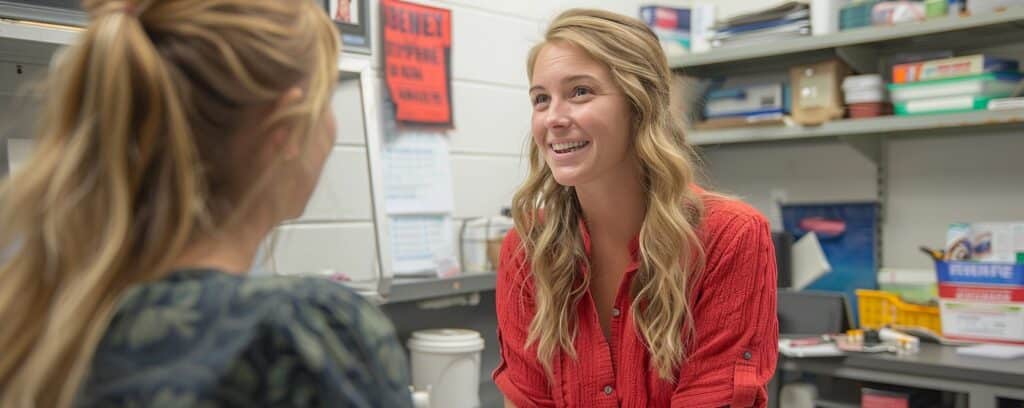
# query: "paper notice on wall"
(417, 43)
(417, 174)
(423, 244)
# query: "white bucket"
(447, 362)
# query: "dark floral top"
(203, 338)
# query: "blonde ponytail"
(127, 166)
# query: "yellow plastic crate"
(879, 309)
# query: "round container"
(481, 243)
(868, 109)
(864, 96)
(867, 81)
(447, 362)
(869, 88)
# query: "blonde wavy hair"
(145, 141)
(547, 214)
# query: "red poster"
(417, 61)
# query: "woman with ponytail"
(623, 283)
(174, 136)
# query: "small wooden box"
(817, 91)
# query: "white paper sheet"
(1001, 351)
(809, 261)
(423, 244)
(417, 174)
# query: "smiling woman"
(668, 290)
(598, 144)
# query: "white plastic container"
(447, 362)
(481, 242)
(864, 96)
(825, 16)
(867, 88)
(866, 81)
(702, 18)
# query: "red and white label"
(981, 293)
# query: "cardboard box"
(872, 398)
(817, 91)
(982, 301)
(982, 321)
(1001, 242)
(993, 242)
(889, 396)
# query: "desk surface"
(938, 361)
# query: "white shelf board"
(886, 125)
(37, 32)
(28, 42)
(405, 289)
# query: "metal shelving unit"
(946, 32)
(890, 126)
(862, 49)
(415, 289)
(67, 12)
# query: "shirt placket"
(611, 387)
(620, 312)
(603, 377)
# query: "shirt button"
(747, 355)
(608, 390)
(616, 312)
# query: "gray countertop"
(938, 361)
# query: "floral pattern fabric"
(203, 338)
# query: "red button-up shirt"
(729, 363)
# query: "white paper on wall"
(423, 244)
(417, 174)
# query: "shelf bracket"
(863, 59)
(869, 146)
(874, 148)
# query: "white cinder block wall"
(492, 118)
(336, 233)
(491, 38)
(931, 181)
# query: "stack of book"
(671, 25)
(746, 104)
(788, 20)
(955, 84)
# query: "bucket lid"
(446, 341)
